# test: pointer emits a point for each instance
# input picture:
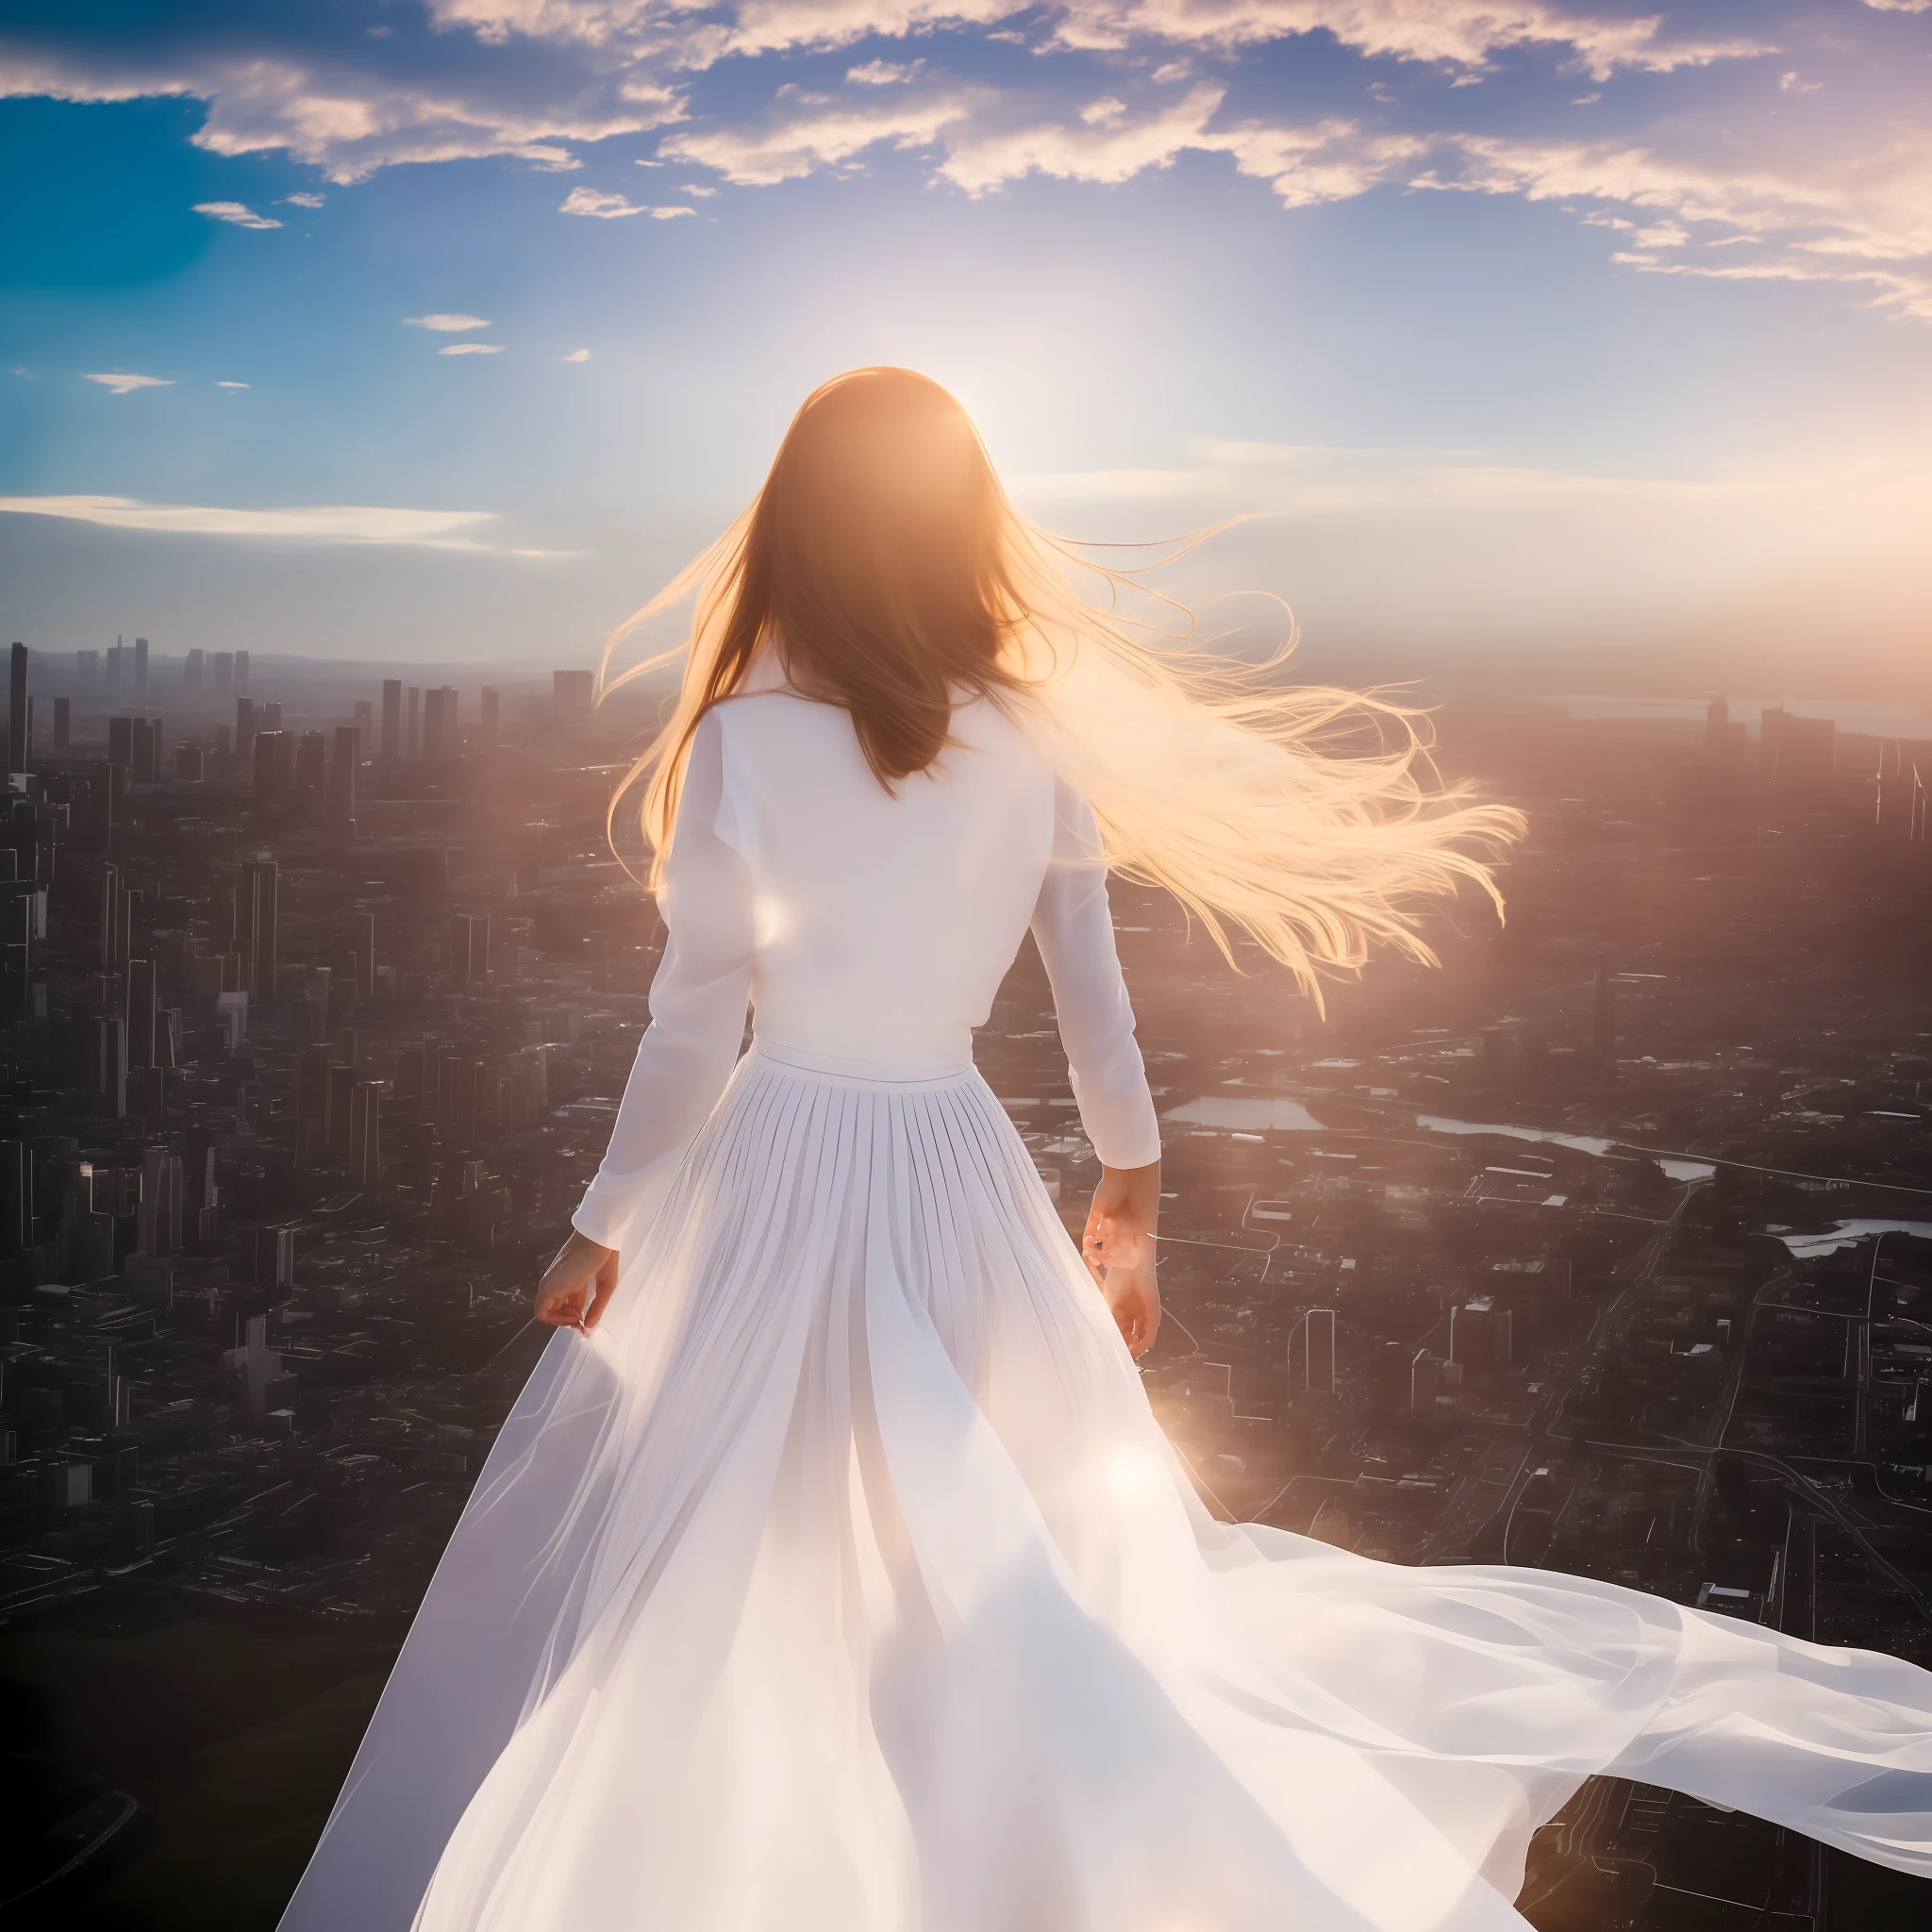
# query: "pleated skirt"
(842, 1581)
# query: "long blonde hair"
(884, 566)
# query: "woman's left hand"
(577, 1286)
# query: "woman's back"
(882, 921)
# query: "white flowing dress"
(842, 1581)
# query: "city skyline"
(1562, 346)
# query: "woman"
(830, 1573)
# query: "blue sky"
(1557, 344)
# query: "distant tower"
(193, 668)
(1318, 1363)
(257, 892)
(141, 670)
(342, 785)
(273, 760)
(412, 723)
(17, 712)
(391, 719)
(241, 670)
(244, 728)
(492, 714)
(574, 693)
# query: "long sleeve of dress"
(1073, 927)
(698, 1002)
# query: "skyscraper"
(16, 711)
(391, 719)
(412, 723)
(256, 925)
(193, 668)
(341, 783)
(241, 670)
(141, 670)
(574, 693)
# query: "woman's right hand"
(1119, 1248)
(577, 1285)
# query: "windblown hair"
(885, 569)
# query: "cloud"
(577, 355)
(472, 349)
(439, 529)
(1791, 84)
(883, 72)
(594, 202)
(445, 325)
(1898, 5)
(232, 385)
(1864, 219)
(302, 200)
(236, 212)
(126, 385)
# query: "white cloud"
(237, 212)
(472, 349)
(596, 203)
(1791, 84)
(302, 200)
(883, 72)
(349, 121)
(232, 385)
(24, 374)
(1862, 219)
(577, 355)
(446, 325)
(126, 385)
(1898, 5)
(441, 529)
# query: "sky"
(1546, 346)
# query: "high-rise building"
(469, 948)
(412, 723)
(117, 658)
(257, 937)
(87, 668)
(158, 1220)
(145, 750)
(363, 947)
(140, 1013)
(311, 764)
(141, 670)
(341, 783)
(1480, 1336)
(16, 1197)
(441, 740)
(224, 671)
(17, 713)
(574, 693)
(1318, 1350)
(391, 719)
(365, 1132)
(489, 726)
(241, 670)
(245, 728)
(272, 766)
(192, 669)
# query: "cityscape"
(1606, 1247)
